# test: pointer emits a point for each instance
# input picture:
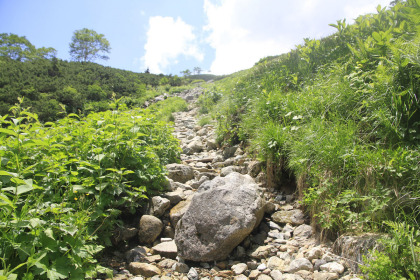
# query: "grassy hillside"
(340, 117)
(80, 87)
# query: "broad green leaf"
(8, 132)
(5, 201)
(377, 37)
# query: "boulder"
(180, 172)
(229, 169)
(303, 231)
(149, 229)
(333, 267)
(300, 264)
(294, 217)
(222, 213)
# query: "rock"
(211, 144)
(159, 205)
(229, 169)
(165, 249)
(239, 252)
(264, 277)
(197, 184)
(314, 253)
(137, 254)
(180, 267)
(175, 197)
(318, 264)
(195, 146)
(276, 275)
(294, 217)
(239, 268)
(288, 276)
(124, 234)
(254, 274)
(273, 225)
(275, 263)
(262, 267)
(304, 231)
(261, 252)
(325, 276)
(178, 211)
(180, 172)
(254, 168)
(144, 269)
(332, 267)
(192, 274)
(222, 213)
(149, 229)
(166, 263)
(355, 247)
(300, 264)
(229, 152)
(240, 277)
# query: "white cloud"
(167, 40)
(243, 31)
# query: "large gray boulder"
(222, 213)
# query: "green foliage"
(63, 185)
(342, 113)
(400, 257)
(164, 109)
(87, 45)
(19, 48)
(46, 83)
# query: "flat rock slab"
(166, 249)
(294, 217)
(222, 213)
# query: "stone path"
(282, 247)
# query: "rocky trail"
(219, 221)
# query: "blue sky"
(169, 36)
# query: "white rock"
(332, 267)
(239, 268)
(276, 274)
(300, 264)
(192, 274)
(262, 267)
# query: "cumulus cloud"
(167, 40)
(243, 31)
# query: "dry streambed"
(217, 220)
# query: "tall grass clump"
(341, 115)
(64, 184)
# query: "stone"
(264, 277)
(192, 274)
(149, 229)
(254, 274)
(178, 211)
(222, 213)
(262, 267)
(193, 147)
(166, 263)
(354, 248)
(229, 152)
(325, 276)
(159, 205)
(211, 144)
(166, 249)
(197, 184)
(240, 277)
(239, 268)
(180, 172)
(144, 269)
(294, 217)
(254, 168)
(318, 264)
(276, 274)
(274, 226)
(229, 169)
(180, 267)
(124, 234)
(275, 263)
(304, 231)
(261, 252)
(175, 197)
(137, 254)
(334, 267)
(289, 276)
(300, 264)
